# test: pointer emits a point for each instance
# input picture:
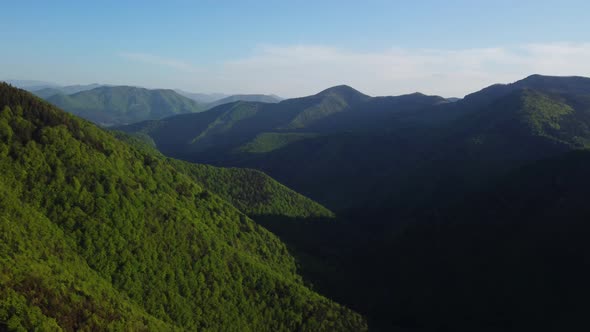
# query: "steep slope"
(46, 285)
(252, 97)
(147, 233)
(123, 104)
(251, 191)
(324, 104)
(481, 99)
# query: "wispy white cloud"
(160, 61)
(295, 70)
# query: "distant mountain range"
(65, 90)
(130, 105)
(211, 100)
(123, 104)
(251, 97)
(203, 98)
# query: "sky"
(294, 48)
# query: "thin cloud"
(304, 69)
(296, 70)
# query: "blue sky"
(293, 48)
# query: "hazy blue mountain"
(248, 97)
(211, 100)
(203, 98)
(116, 105)
(66, 90)
(31, 85)
(47, 92)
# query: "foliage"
(150, 245)
(253, 192)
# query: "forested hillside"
(118, 105)
(251, 191)
(98, 234)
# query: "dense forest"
(450, 215)
(100, 234)
(433, 215)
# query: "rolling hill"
(66, 90)
(119, 105)
(211, 100)
(251, 97)
(99, 234)
(202, 98)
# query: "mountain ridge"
(124, 104)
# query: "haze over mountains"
(417, 212)
(123, 104)
(109, 105)
(215, 99)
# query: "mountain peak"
(344, 92)
(537, 77)
(341, 90)
(570, 84)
